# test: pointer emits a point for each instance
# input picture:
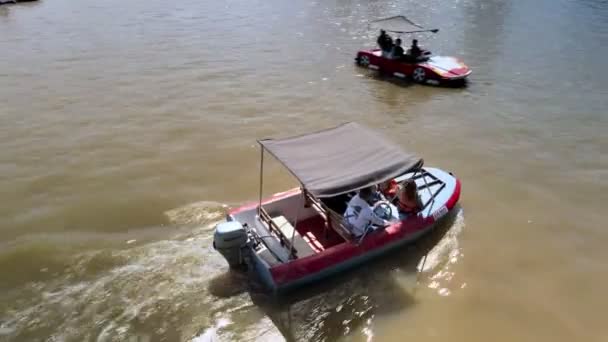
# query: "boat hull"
(340, 267)
(286, 276)
(436, 70)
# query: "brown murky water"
(125, 127)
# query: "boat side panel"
(350, 263)
(344, 252)
(263, 272)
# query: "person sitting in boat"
(414, 52)
(385, 42)
(389, 189)
(360, 214)
(397, 52)
(408, 200)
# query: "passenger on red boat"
(360, 214)
(415, 50)
(389, 189)
(397, 52)
(408, 199)
(385, 42)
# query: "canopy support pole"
(261, 177)
(293, 234)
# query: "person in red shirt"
(389, 189)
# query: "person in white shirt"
(360, 212)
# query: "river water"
(127, 128)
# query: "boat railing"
(284, 240)
(427, 185)
(333, 220)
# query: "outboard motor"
(230, 239)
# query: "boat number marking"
(440, 212)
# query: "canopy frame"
(419, 29)
(415, 164)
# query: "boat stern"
(231, 241)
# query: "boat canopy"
(399, 24)
(341, 159)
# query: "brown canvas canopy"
(341, 159)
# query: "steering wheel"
(383, 210)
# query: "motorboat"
(423, 68)
(300, 236)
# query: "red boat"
(424, 68)
(300, 236)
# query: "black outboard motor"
(230, 239)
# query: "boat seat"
(302, 247)
(336, 222)
(333, 220)
(338, 203)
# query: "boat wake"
(441, 259)
(153, 291)
(199, 213)
(178, 289)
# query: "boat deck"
(314, 233)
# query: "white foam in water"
(154, 283)
(443, 256)
(200, 213)
(6, 331)
(210, 335)
(447, 248)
